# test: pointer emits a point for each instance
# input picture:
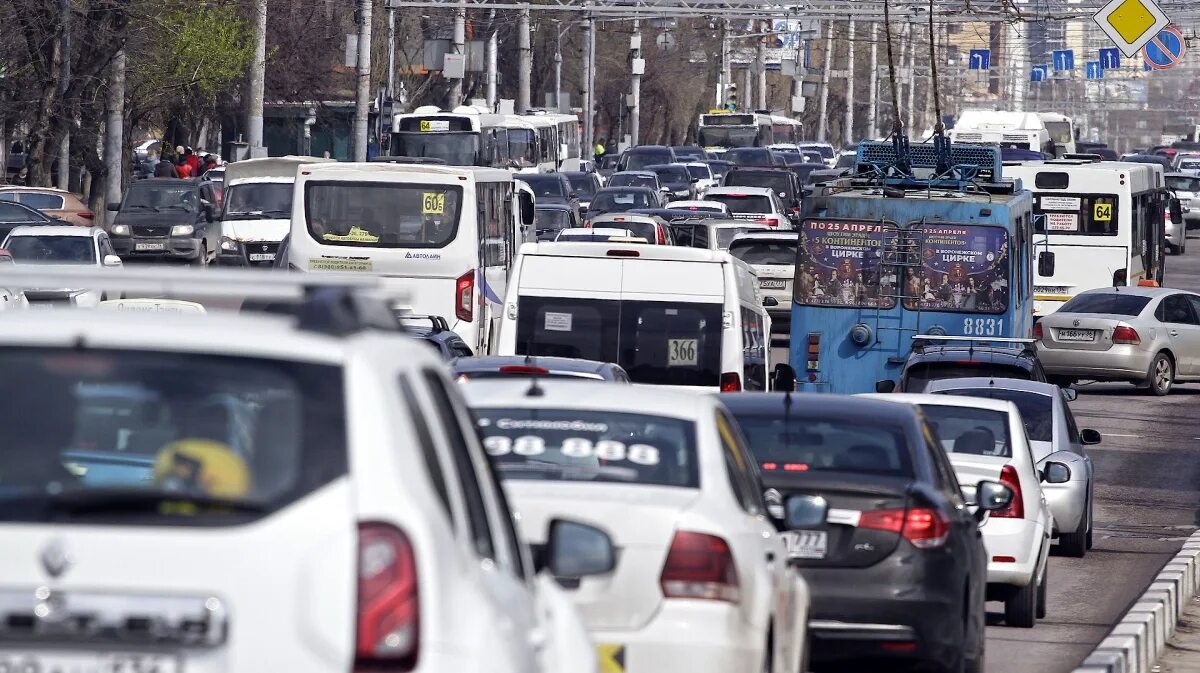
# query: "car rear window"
(743, 203)
(801, 444)
(1111, 303)
(980, 432)
(764, 252)
(163, 438)
(42, 201)
(1037, 410)
(778, 182)
(590, 445)
(918, 376)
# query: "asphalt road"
(1147, 503)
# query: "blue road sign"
(1064, 59)
(1093, 70)
(1165, 50)
(980, 59)
(1039, 73)
(1110, 58)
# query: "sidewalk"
(1183, 650)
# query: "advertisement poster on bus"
(839, 265)
(963, 268)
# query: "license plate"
(262, 257)
(149, 246)
(806, 543)
(768, 284)
(1076, 335)
(68, 662)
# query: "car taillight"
(587, 224)
(923, 527)
(769, 221)
(86, 214)
(464, 293)
(1125, 335)
(731, 382)
(662, 240)
(389, 621)
(523, 369)
(700, 566)
(1016, 508)
(1037, 330)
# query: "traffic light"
(731, 97)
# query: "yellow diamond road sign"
(1130, 24)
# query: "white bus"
(442, 237)
(721, 130)
(567, 129)
(1062, 131)
(532, 143)
(1020, 130)
(1096, 224)
(257, 209)
(466, 136)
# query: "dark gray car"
(166, 219)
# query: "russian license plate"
(68, 662)
(806, 543)
(149, 246)
(262, 257)
(1076, 335)
(772, 284)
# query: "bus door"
(497, 244)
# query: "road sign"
(1064, 59)
(1165, 50)
(1110, 58)
(1039, 73)
(980, 59)
(1130, 24)
(1092, 70)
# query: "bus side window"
(1137, 218)
(508, 224)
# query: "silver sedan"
(1056, 442)
(1149, 336)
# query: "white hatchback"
(702, 583)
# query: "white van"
(257, 209)
(443, 237)
(669, 315)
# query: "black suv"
(167, 219)
(965, 360)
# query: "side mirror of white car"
(112, 260)
(575, 550)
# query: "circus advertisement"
(963, 268)
(839, 265)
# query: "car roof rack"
(327, 303)
(438, 323)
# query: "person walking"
(599, 151)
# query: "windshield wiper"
(143, 208)
(93, 500)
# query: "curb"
(1138, 640)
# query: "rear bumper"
(1019, 539)
(1120, 362)
(126, 247)
(688, 636)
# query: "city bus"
(466, 136)
(532, 143)
(722, 130)
(1097, 224)
(567, 130)
(1019, 130)
(786, 130)
(881, 260)
(442, 237)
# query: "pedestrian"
(210, 162)
(182, 169)
(193, 161)
(165, 169)
(22, 178)
(599, 151)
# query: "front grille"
(150, 230)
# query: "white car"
(757, 204)
(699, 205)
(702, 583)
(827, 152)
(598, 235)
(702, 173)
(772, 255)
(240, 493)
(62, 245)
(985, 439)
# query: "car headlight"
(119, 230)
(182, 230)
(228, 244)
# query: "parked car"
(167, 219)
(487, 367)
(1054, 437)
(962, 358)
(702, 583)
(13, 214)
(55, 203)
(880, 527)
(1148, 336)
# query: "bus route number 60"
(433, 203)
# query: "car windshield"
(550, 219)
(52, 249)
(634, 161)
(1037, 410)
(700, 172)
(802, 444)
(161, 438)
(672, 173)
(764, 252)
(544, 187)
(382, 215)
(824, 150)
(583, 184)
(157, 197)
(590, 445)
(630, 180)
(253, 200)
(918, 376)
(1107, 303)
(980, 432)
(743, 203)
(1175, 182)
(618, 201)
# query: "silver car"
(1149, 336)
(1056, 441)
(1186, 186)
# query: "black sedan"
(879, 527)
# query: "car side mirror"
(805, 511)
(575, 550)
(991, 496)
(112, 207)
(695, 180)
(1090, 437)
(783, 378)
(770, 302)
(526, 201)
(111, 260)
(664, 190)
(1070, 394)
(1045, 264)
(1056, 473)
(885, 386)
(1176, 211)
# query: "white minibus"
(442, 237)
(257, 209)
(670, 316)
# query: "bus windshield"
(258, 200)
(521, 146)
(382, 215)
(839, 265)
(964, 269)
(1060, 132)
(456, 149)
(728, 136)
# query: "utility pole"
(362, 99)
(491, 57)
(826, 64)
(589, 93)
(761, 67)
(258, 76)
(848, 130)
(726, 66)
(391, 50)
(458, 47)
(873, 86)
(114, 128)
(636, 66)
(525, 65)
(64, 148)
(910, 38)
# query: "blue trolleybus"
(936, 244)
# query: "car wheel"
(1062, 381)
(1041, 592)
(1020, 610)
(1075, 544)
(1161, 375)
